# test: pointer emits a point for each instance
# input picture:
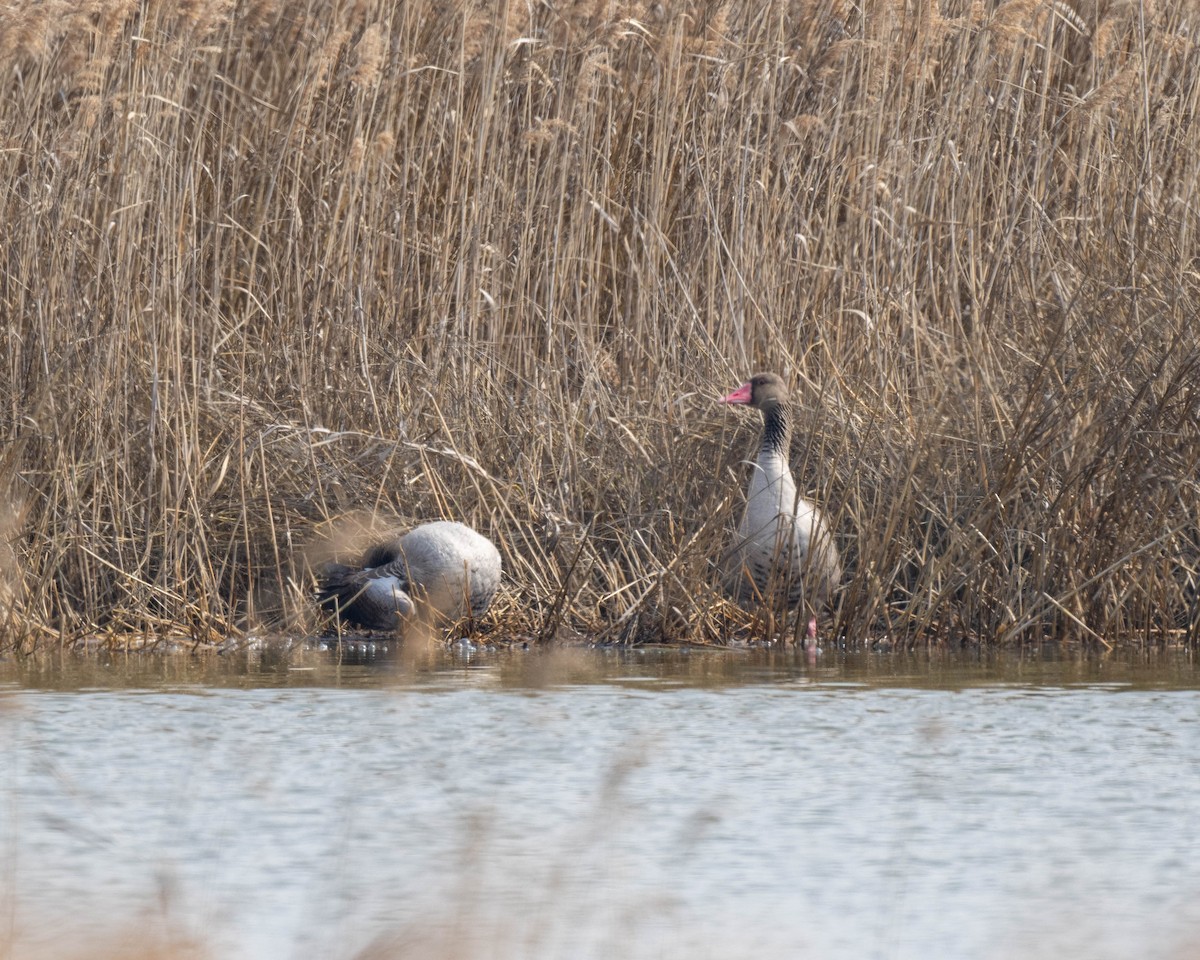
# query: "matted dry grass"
(268, 264)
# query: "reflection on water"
(591, 804)
(657, 667)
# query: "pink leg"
(810, 640)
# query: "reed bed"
(278, 274)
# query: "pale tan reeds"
(272, 264)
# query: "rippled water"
(590, 805)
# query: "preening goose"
(446, 568)
(783, 547)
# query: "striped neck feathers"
(777, 428)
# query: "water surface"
(597, 805)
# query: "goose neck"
(776, 429)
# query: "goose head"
(762, 391)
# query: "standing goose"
(783, 547)
(445, 568)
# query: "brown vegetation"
(269, 263)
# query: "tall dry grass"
(267, 265)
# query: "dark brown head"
(762, 391)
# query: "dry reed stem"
(268, 264)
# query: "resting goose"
(783, 547)
(445, 567)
